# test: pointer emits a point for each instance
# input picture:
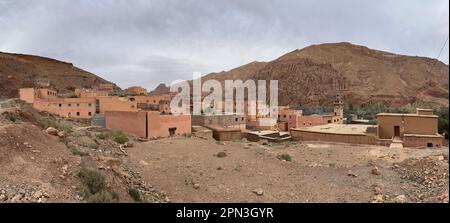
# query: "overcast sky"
(146, 42)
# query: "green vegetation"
(120, 137)
(285, 156)
(10, 116)
(50, 121)
(93, 187)
(103, 135)
(137, 195)
(443, 114)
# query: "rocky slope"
(17, 70)
(309, 76)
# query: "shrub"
(94, 180)
(78, 152)
(102, 197)
(136, 195)
(120, 138)
(10, 116)
(285, 156)
(103, 135)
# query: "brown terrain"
(160, 90)
(17, 71)
(307, 76)
(38, 166)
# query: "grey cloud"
(146, 42)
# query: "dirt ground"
(189, 170)
(39, 167)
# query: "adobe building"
(90, 93)
(420, 129)
(148, 124)
(116, 103)
(136, 90)
(225, 120)
(45, 99)
(109, 87)
(393, 129)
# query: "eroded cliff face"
(365, 76)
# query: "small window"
(236, 119)
(310, 123)
(329, 121)
(60, 105)
(284, 116)
(90, 113)
(78, 104)
(242, 119)
(78, 113)
(429, 145)
(69, 105)
(89, 104)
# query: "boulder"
(61, 134)
(400, 199)
(51, 131)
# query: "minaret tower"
(338, 104)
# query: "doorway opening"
(396, 130)
(172, 132)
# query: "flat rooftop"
(406, 115)
(338, 129)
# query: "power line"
(445, 43)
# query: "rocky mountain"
(18, 70)
(160, 89)
(312, 76)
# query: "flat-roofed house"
(419, 129)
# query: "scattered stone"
(377, 190)
(376, 170)
(37, 194)
(351, 174)
(196, 186)
(128, 144)
(143, 163)
(3, 197)
(61, 134)
(258, 192)
(440, 158)
(16, 198)
(142, 139)
(378, 199)
(109, 161)
(246, 147)
(400, 199)
(51, 131)
(221, 154)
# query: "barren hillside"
(17, 70)
(306, 76)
